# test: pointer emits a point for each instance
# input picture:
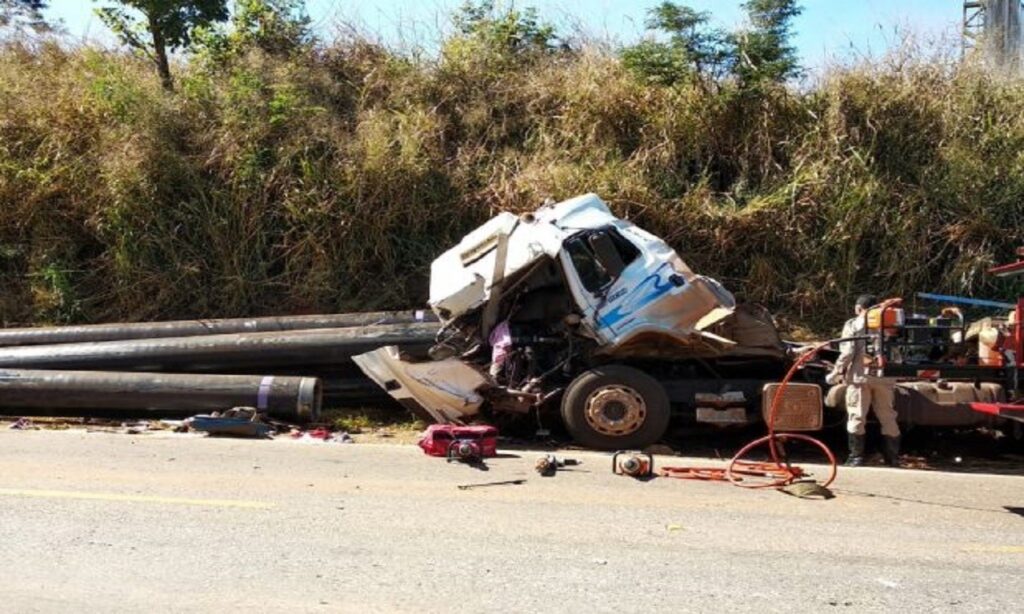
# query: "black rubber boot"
(891, 451)
(856, 443)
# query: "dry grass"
(374, 425)
(329, 181)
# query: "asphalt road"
(109, 523)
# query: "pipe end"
(310, 399)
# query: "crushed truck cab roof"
(461, 278)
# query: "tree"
(763, 52)
(161, 25)
(18, 13)
(507, 31)
(276, 27)
(692, 47)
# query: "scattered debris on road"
(320, 435)
(487, 484)
(235, 422)
(23, 424)
(549, 464)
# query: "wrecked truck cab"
(566, 305)
(623, 281)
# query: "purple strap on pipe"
(263, 395)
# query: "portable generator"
(462, 443)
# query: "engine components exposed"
(633, 464)
(288, 398)
(549, 464)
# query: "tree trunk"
(160, 54)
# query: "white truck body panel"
(446, 389)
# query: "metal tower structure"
(993, 28)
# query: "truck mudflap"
(444, 390)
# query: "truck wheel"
(615, 407)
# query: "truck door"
(600, 259)
(627, 290)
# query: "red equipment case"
(438, 439)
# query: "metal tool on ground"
(633, 464)
(549, 464)
(487, 484)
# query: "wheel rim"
(615, 410)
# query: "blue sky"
(827, 30)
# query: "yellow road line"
(104, 496)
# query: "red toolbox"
(438, 439)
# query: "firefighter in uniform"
(866, 389)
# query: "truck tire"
(615, 407)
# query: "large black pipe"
(355, 392)
(165, 395)
(188, 328)
(235, 352)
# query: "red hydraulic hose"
(781, 471)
